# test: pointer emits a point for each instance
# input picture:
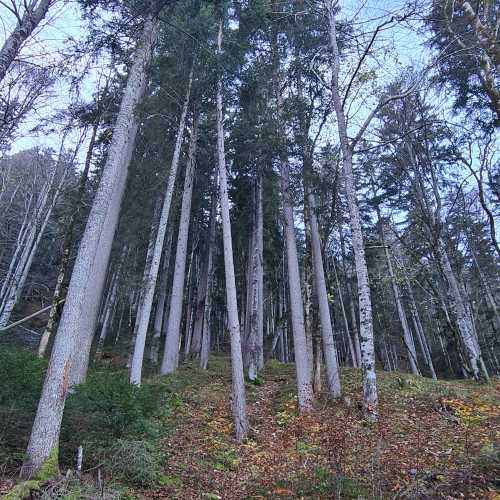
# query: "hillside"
(173, 437)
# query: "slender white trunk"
(252, 305)
(370, 396)
(463, 319)
(27, 257)
(259, 235)
(332, 370)
(198, 314)
(171, 354)
(150, 285)
(407, 336)
(188, 299)
(352, 351)
(162, 299)
(238, 382)
(304, 383)
(81, 308)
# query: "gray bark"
(33, 15)
(207, 306)
(161, 309)
(81, 308)
(370, 396)
(332, 369)
(171, 354)
(150, 285)
(238, 382)
(463, 319)
(407, 336)
(303, 366)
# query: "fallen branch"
(23, 320)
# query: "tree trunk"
(238, 382)
(259, 235)
(81, 308)
(463, 320)
(207, 309)
(304, 383)
(407, 336)
(26, 260)
(171, 354)
(161, 311)
(332, 370)
(370, 396)
(34, 14)
(150, 285)
(352, 351)
(67, 245)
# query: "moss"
(23, 490)
(50, 468)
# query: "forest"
(249, 249)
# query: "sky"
(64, 22)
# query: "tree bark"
(67, 245)
(332, 369)
(207, 306)
(34, 14)
(150, 285)
(463, 320)
(81, 308)
(161, 309)
(370, 396)
(171, 354)
(238, 382)
(407, 336)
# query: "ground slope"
(433, 439)
(173, 438)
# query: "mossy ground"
(433, 440)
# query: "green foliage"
(135, 461)
(115, 407)
(22, 378)
(107, 415)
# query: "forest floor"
(433, 440)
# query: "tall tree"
(69, 359)
(238, 382)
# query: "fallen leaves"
(284, 452)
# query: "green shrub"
(112, 407)
(107, 410)
(22, 376)
(136, 462)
